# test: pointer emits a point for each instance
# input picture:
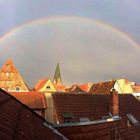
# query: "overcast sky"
(86, 51)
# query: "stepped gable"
(102, 87)
(96, 107)
(17, 121)
(10, 78)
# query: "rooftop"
(17, 121)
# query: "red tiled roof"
(19, 122)
(40, 84)
(94, 107)
(136, 88)
(102, 88)
(74, 88)
(34, 100)
(59, 87)
(81, 105)
(85, 87)
(79, 88)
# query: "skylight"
(132, 119)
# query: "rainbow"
(55, 19)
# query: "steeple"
(57, 76)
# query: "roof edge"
(87, 123)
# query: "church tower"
(57, 76)
(10, 79)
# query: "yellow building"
(124, 86)
(45, 85)
(10, 78)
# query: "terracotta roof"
(86, 87)
(34, 100)
(79, 88)
(95, 107)
(40, 84)
(74, 88)
(102, 87)
(60, 87)
(19, 122)
(136, 88)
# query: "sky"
(89, 38)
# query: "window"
(84, 119)
(7, 73)
(67, 117)
(48, 87)
(132, 119)
(18, 88)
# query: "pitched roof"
(17, 121)
(81, 105)
(74, 88)
(40, 84)
(86, 87)
(102, 87)
(79, 88)
(60, 87)
(95, 107)
(34, 100)
(101, 131)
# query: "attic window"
(17, 88)
(132, 119)
(67, 117)
(48, 87)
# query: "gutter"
(87, 123)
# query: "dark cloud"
(86, 51)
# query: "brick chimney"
(114, 103)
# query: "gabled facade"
(10, 78)
(45, 85)
(124, 86)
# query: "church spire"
(57, 76)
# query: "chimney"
(114, 103)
